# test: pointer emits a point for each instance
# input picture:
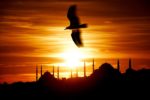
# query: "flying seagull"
(75, 25)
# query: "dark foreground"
(106, 82)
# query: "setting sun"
(73, 57)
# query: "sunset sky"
(32, 32)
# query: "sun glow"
(73, 57)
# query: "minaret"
(84, 69)
(41, 70)
(71, 73)
(93, 66)
(118, 65)
(36, 73)
(53, 70)
(130, 64)
(76, 71)
(58, 72)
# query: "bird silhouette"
(75, 26)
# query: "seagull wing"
(74, 20)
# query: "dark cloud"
(107, 8)
(8, 60)
(6, 49)
(8, 29)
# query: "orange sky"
(34, 29)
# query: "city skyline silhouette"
(103, 81)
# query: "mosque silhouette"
(104, 82)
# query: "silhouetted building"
(118, 65)
(84, 69)
(41, 70)
(36, 73)
(100, 84)
(47, 79)
(106, 72)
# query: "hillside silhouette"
(105, 82)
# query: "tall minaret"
(41, 70)
(93, 66)
(58, 72)
(76, 71)
(84, 69)
(71, 73)
(36, 73)
(130, 64)
(53, 70)
(118, 65)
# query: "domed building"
(106, 72)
